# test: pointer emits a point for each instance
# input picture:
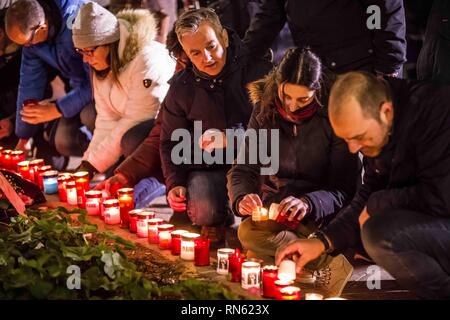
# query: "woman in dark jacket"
(317, 175)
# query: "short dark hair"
(26, 14)
(368, 90)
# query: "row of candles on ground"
(74, 188)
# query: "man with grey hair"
(401, 213)
(43, 28)
(210, 89)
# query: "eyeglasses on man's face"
(89, 53)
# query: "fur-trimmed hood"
(138, 28)
(257, 88)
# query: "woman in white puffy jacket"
(130, 76)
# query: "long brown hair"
(114, 64)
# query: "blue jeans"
(414, 248)
(207, 200)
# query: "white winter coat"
(121, 107)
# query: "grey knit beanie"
(94, 26)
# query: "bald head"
(358, 89)
(24, 15)
(361, 112)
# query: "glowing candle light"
(6, 159)
(71, 190)
(23, 168)
(290, 293)
(280, 284)
(260, 214)
(125, 196)
(82, 183)
(164, 236)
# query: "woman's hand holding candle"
(296, 208)
(249, 203)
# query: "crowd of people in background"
(115, 82)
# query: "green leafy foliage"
(37, 251)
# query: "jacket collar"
(54, 18)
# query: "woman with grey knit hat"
(129, 79)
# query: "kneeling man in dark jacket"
(401, 213)
(209, 94)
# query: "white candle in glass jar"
(111, 211)
(223, 256)
(142, 223)
(93, 199)
(187, 246)
(71, 190)
(250, 275)
(286, 270)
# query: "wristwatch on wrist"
(321, 236)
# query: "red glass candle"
(290, 293)
(93, 200)
(38, 175)
(63, 178)
(153, 224)
(175, 245)
(23, 168)
(71, 190)
(34, 166)
(16, 157)
(235, 266)
(132, 214)
(280, 284)
(142, 222)
(164, 237)
(82, 183)
(125, 196)
(269, 276)
(201, 252)
(6, 159)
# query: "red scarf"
(299, 115)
